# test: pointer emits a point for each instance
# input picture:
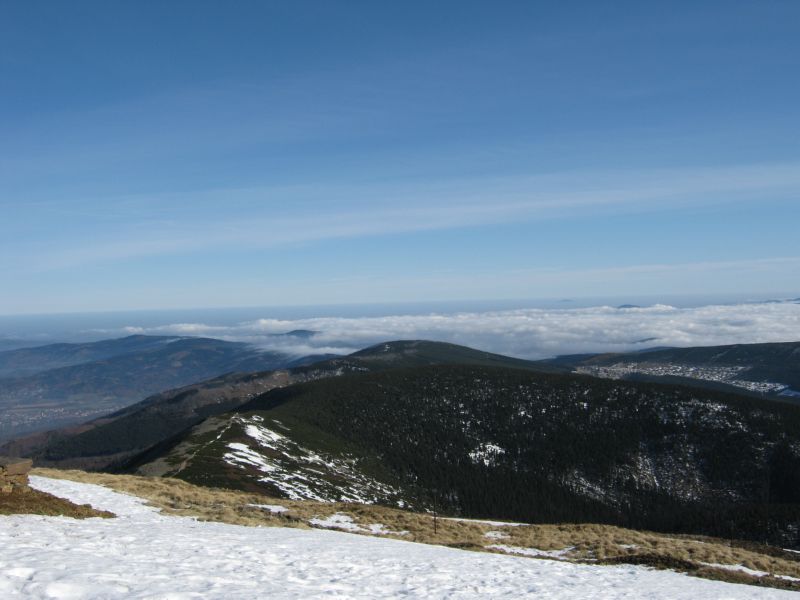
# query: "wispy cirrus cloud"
(283, 215)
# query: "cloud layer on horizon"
(525, 333)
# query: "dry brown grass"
(584, 543)
(34, 502)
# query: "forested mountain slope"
(510, 444)
(134, 429)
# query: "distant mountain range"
(58, 384)
(115, 437)
(22, 362)
(762, 369)
(413, 423)
(14, 344)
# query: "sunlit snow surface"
(143, 554)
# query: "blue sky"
(185, 154)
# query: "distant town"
(722, 374)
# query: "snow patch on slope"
(272, 508)
(556, 554)
(487, 454)
(144, 554)
(299, 473)
(346, 523)
(748, 571)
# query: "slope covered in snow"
(144, 554)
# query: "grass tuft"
(34, 502)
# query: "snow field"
(143, 554)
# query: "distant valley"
(60, 384)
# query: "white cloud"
(527, 333)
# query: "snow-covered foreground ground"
(143, 554)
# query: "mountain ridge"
(133, 429)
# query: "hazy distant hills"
(14, 344)
(768, 369)
(138, 427)
(27, 361)
(67, 383)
